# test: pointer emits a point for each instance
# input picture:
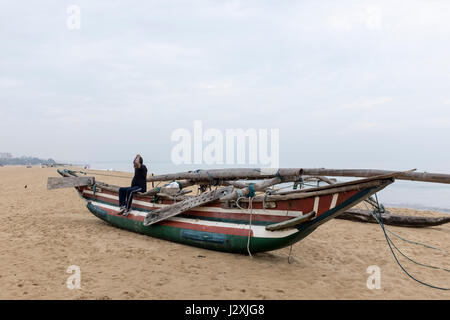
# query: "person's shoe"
(126, 212)
(122, 210)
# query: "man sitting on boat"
(138, 184)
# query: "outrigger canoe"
(264, 222)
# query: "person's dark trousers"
(126, 196)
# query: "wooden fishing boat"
(239, 220)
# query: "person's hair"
(141, 160)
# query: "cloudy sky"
(347, 83)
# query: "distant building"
(4, 155)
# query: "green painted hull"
(206, 240)
(227, 242)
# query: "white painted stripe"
(334, 200)
(316, 204)
(258, 231)
(267, 212)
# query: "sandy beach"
(44, 232)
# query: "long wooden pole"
(412, 176)
(256, 173)
(227, 174)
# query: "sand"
(43, 232)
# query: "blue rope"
(414, 242)
(297, 183)
(251, 192)
(418, 263)
(155, 197)
(389, 241)
(180, 185)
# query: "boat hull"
(228, 230)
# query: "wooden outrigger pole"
(283, 173)
(408, 175)
(227, 174)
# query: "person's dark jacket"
(140, 178)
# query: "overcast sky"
(347, 83)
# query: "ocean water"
(417, 195)
(405, 194)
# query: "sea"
(403, 194)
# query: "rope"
(389, 241)
(250, 204)
(297, 183)
(399, 237)
(264, 201)
(240, 196)
(418, 263)
(237, 203)
(417, 243)
(290, 255)
(250, 195)
(155, 197)
(251, 192)
(279, 176)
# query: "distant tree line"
(26, 161)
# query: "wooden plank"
(291, 222)
(258, 173)
(180, 207)
(68, 182)
(341, 184)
